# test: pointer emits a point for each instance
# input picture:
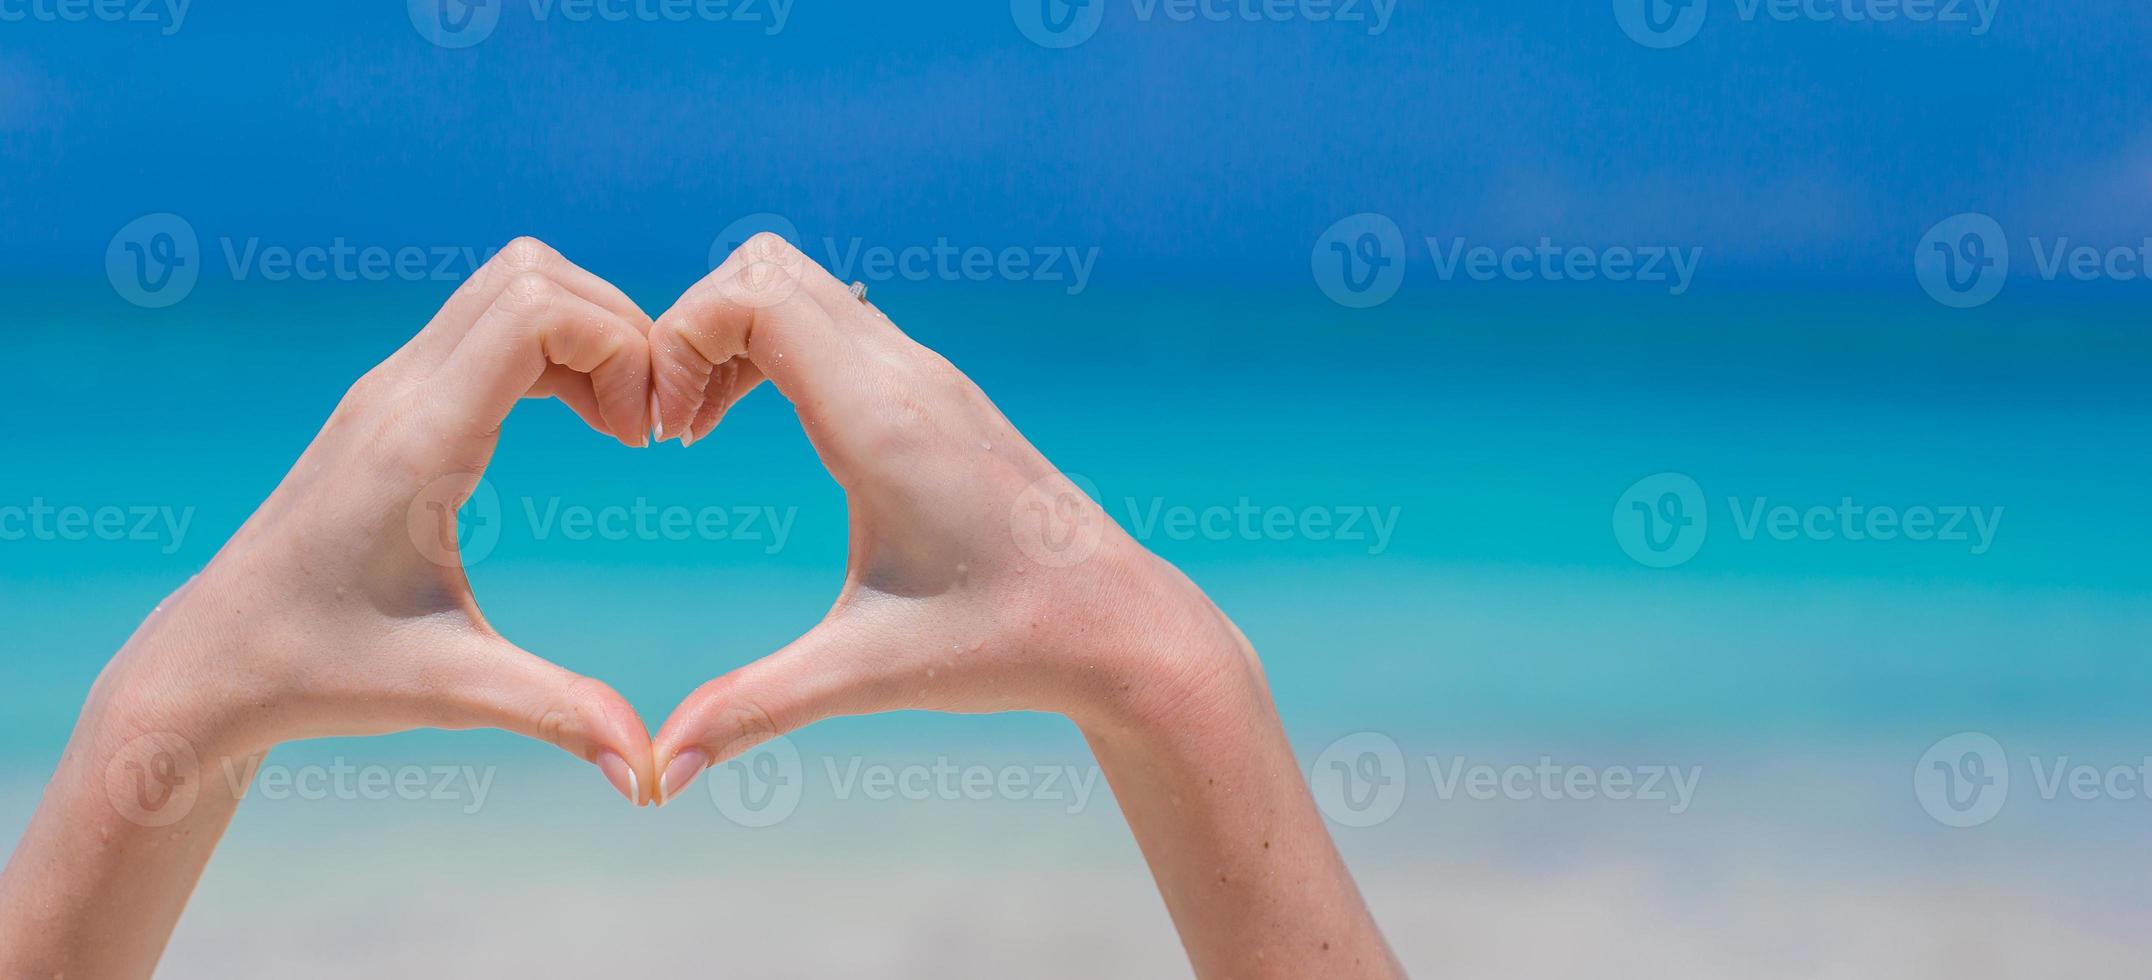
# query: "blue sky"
(1803, 149)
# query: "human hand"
(981, 579)
(341, 607)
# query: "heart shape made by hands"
(981, 579)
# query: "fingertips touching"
(803, 683)
(514, 690)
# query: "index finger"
(767, 304)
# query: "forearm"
(138, 802)
(1217, 802)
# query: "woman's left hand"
(340, 608)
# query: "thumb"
(808, 680)
(514, 690)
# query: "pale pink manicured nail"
(621, 775)
(657, 421)
(685, 767)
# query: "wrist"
(181, 676)
(1175, 663)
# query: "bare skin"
(981, 580)
(339, 609)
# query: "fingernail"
(657, 421)
(687, 438)
(685, 767)
(621, 775)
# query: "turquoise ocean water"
(1486, 613)
(1464, 455)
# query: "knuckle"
(770, 244)
(363, 394)
(555, 725)
(526, 254)
(738, 725)
(528, 292)
(934, 369)
(901, 432)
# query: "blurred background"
(1683, 465)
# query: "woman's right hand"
(981, 579)
(341, 607)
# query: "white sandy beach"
(552, 878)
